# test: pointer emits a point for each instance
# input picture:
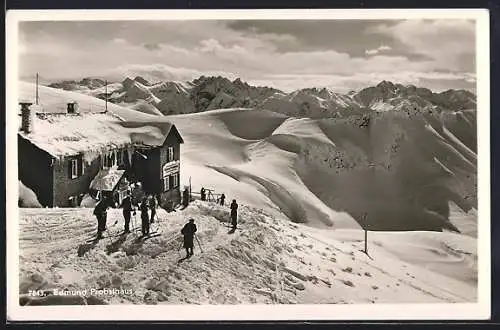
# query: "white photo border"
(458, 311)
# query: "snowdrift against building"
(27, 198)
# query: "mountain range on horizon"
(210, 93)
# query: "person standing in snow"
(234, 213)
(127, 210)
(222, 198)
(188, 231)
(185, 197)
(100, 212)
(202, 193)
(152, 206)
(144, 216)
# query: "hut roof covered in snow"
(62, 134)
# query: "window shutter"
(70, 166)
(82, 166)
(166, 183)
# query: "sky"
(342, 55)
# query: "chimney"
(27, 117)
(72, 107)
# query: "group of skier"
(147, 207)
(221, 201)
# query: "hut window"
(74, 168)
(175, 180)
(166, 183)
(170, 154)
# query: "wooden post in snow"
(366, 241)
(365, 228)
(36, 99)
(190, 196)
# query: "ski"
(151, 235)
(157, 230)
(148, 236)
(95, 239)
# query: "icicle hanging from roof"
(130, 152)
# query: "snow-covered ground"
(268, 260)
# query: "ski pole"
(197, 240)
(134, 223)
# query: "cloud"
(119, 41)
(152, 46)
(449, 43)
(437, 81)
(161, 72)
(378, 50)
(186, 50)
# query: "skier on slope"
(234, 213)
(222, 198)
(188, 231)
(152, 206)
(127, 210)
(202, 193)
(144, 216)
(100, 212)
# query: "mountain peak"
(385, 84)
(127, 81)
(142, 81)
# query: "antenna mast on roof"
(106, 93)
(36, 89)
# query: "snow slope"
(270, 260)
(400, 171)
(55, 100)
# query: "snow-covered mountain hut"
(63, 156)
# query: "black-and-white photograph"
(247, 161)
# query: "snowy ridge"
(209, 93)
(327, 172)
